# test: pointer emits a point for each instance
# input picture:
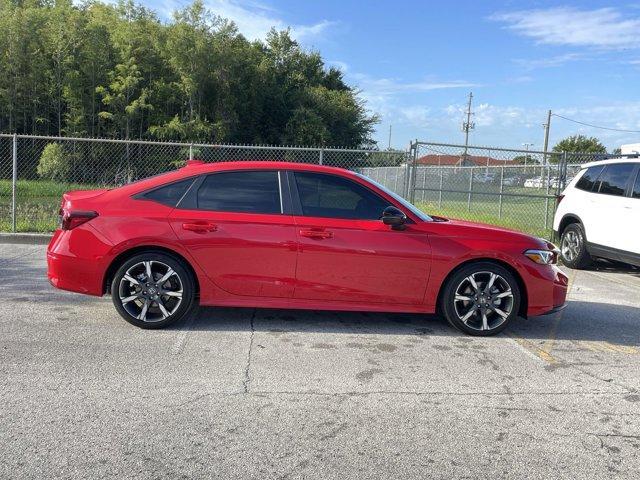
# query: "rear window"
(170, 194)
(588, 178)
(244, 192)
(615, 178)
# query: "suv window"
(636, 187)
(170, 194)
(588, 178)
(615, 178)
(243, 191)
(323, 195)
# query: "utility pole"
(390, 136)
(547, 127)
(526, 156)
(468, 125)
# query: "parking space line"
(533, 349)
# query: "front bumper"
(547, 289)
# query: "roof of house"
(481, 161)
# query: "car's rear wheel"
(153, 290)
(481, 299)
(573, 247)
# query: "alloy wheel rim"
(483, 301)
(570, 245)
(150, 291)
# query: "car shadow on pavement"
(610, 266)
(582, 321)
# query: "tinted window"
(245, 191)
(589, 178)
(169, 194)
(636, 187)
(335, 197)
(615, 178)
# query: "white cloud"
(603, 27)
(555, 61)
(254, 20)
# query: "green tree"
(54, 163)
(580, 144)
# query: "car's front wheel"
(573, 247)
(153, 290)
(481, 299)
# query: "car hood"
(455, 228)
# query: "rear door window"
(636, 187)
(615, 178)
(249, 191)
(588, 179)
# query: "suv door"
(610, 217)
(346, 253)
(631, 241)
(239, 228)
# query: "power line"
(595, 126)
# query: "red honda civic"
(286, 235)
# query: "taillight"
(70, 219)
(559, 199)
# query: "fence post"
(470, 188)
(501, 191)
(320, 158)
(440, 191)
(14, 181)
(546, 200)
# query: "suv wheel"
(573, 247)
(153, 290)
(481, 299)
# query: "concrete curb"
(26, 238)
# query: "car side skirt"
(609, 253)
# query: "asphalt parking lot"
(244, 393)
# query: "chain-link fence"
(512, 188)
(46, 167)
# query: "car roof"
(611, 160)
(205, 167)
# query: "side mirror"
(394, 217)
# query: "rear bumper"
(76, 261)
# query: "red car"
(286, 235)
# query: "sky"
(415, 62)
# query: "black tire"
(573, 247)
(498, 311)
(164, 305)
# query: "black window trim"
(636, 178)
(297, 204)
(628, 186)
(143, 194)
(190, 201)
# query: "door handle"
(200, 227)
(315, 233)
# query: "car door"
(631, 241)
(346, 253)
(238, 226)
(609, 213)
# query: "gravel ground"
(258, 393)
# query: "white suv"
(598, 214)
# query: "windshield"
(412, 208)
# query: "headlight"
(543, 257)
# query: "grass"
(38, 202)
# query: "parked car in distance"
(513, 181)
(287, 235)
(541, 182)
(598, 214)
(486, 178)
